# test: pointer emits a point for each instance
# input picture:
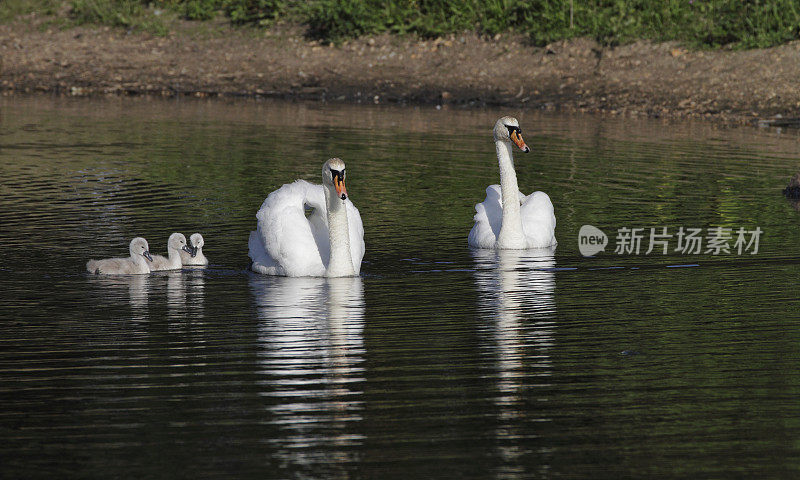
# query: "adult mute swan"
(327, 243)
(507, 219)
(194, 256)
(172, 261)
(137, 263)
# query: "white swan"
(172, 261)
(194, 257)
(507, 219)
(328, 242)
(137, 263)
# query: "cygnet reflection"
(176, 294)
(133, 289)
(138, 292)
(195, 290)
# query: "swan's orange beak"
(338, 182)
(516, 137)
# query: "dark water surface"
(438, 361)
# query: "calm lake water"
(438, 361)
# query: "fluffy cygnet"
(172, 261)
(138, 263)
(195, 255)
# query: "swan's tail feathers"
(258, 268)
(92, 266)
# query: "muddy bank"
(642, 79)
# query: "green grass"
(699, 23)
(131, 14)
(10, 9)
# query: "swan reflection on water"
(516, 289)
(311, 338)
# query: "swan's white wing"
(356, 229)
(538, 220)
(488, 219)
(285, 234)
(262, 262)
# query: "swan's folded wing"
(488, 219)
(285, 232)
(538, 220)
(262, 263)
(356, 229)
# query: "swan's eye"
(337, 174)
(512, 129)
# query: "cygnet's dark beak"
(194, 252)
(147, 255)
(188, 249)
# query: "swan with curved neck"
(507, 219)
(341, 261)
(329, 242)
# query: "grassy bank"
(698, 23)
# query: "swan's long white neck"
(341, 261)
(511, 235)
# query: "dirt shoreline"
(641, 79)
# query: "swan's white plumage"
(288, 243)
(536, 211)
(538, 220)
(488, 219)
(535, 221)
